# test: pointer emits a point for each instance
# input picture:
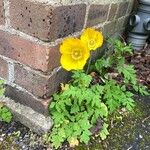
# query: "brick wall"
(31, 32)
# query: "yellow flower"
(74, 142)
(74, 54)
(92, 38)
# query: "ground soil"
(141, 61)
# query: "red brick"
(3, 68)
(44, 21)
(39, 85)
(27, 99)
(2, 17)
(35, 55)
(97, 14)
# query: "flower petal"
(92, 35)
(67, 62)
(69, 44)
(68, 59)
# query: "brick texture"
(39, 85)
(97, 14)
(130, 6)
(2, 18)
(3, 69)
(24, 98)
(121, 23)
(112, 11)
(29, 53)
(123, 7)
(110, 28)
(44, 21)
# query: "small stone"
(9, 134)
(140, 136)
(23, 147)
(3, 135)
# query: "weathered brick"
(112, 11)
(27, 99)
(109, 28)
(98, 53)
(38, 84)
(3, 68)
(44, 21)
(29, 53)
(131, 6)
(97, 14)
(123, 7)
(121, 23)
(2, 17)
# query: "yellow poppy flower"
(92, 38)
(74, 54)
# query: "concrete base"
(36, 122)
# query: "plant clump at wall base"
(82, 108)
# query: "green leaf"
(52, 105)
(57, 117)
(128, 72)
(74, 109)
(84, 123)
(103, 110)
(103, 63)
(69, 131)
(76, 130)
(120, 47)
(85, 137)
(56, 141)
(96, 101)
(61, 132)
(81, 79)
(5, 114)
(1, 82)
(143, 90)
(104, 132)
(2, 91)
(97, 89)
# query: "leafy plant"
(115, 64)
(5, 114)
(116, 96)
(104, 132)
(76, 109)
(81, 103)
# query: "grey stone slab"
(36, 122)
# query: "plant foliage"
(5, 114)
(81, 104)
(76, 109)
